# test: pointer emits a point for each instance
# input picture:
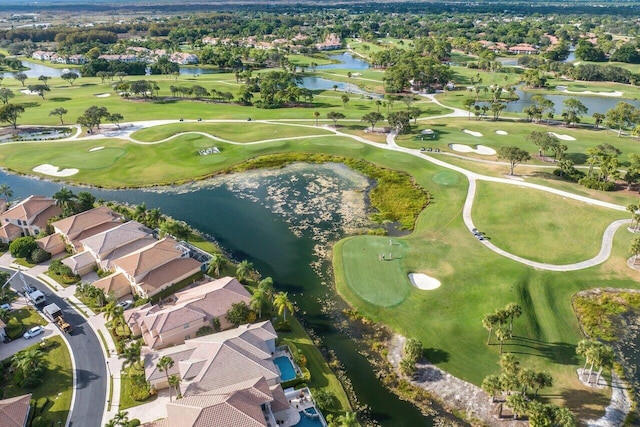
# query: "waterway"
(595, 104)
(283, 221)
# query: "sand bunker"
(502, 132)
(424, 282)
(564, 89)
(97, 148)
(102, 95)
(472, 133)
(563, 137)
(48, 169)
(480, 149)
(28, 92)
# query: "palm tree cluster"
(30, 367)
(71, 203)
(517, 382)
(595, 354)
(121, 419)
(503, 318)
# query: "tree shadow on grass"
(87, 84)
(31, 104)
(586, 404)
(558, 352)
(59, 99)
(436, 355)
(577, 158)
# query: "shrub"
(41, 421)
(596, 184)
(205, 330)
(39, 255)
(139, 388)
(283, 326)
(325, 399)
(22, 247)
(14, 328)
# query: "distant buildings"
(27, 218)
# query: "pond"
(347, 62)
(36, 70)
(320, 83)
(595, 104)
(283, 221)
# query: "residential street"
(91, 375)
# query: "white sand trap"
(502, 132)
(481, 149)
(48, 169)
(97, 148)
(472, 133)
(562, 136)
(28, 92)
(564, 89)
(424, 282)
(102, 95)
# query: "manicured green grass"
(28, 317)
(304, 60)
(541, 227)
(237, 132)
(321, 375)
(476, 281)
(57, 384)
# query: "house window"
(186, 325)
(187, 337)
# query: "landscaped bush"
(64, 272)
(205, 330)
(13, 328)
(282, 326)
(41, 421)
(22, 247)
(325, 399)
(597, 184)
(139, 387)
(39, 255)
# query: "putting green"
(377, 281)
(446, 178)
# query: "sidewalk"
(95, 321)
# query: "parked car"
(6, 306)
(33, 332)
(480, 236)
(125, 304)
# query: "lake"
(283, 221)
(595, 104)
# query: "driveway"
(90, 368)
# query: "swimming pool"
(286, 368)
(309, 421)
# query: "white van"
(36, 297)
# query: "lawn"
(27, 317)
(476, 281)
(57, 384)
(237, 132)
(321, 375)
(126, 401)
(541, 227)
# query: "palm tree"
(282, 303)
(349, 419)
(563, 417)
(174, 381)
(259, 300)
(514, 311)
(121, 418)
(502, 334)
(604, 360)
(635, 249)
(112, 310)
(164, 364)
(518, 404)
(542, 380)
(316, 114)
(243, 270)
(216, 262)
(349, 75)
(509, 363)
(488, 321)
(64, 197)
(527, 378)
(28, 360)
(6, 191)
(492, 385)
(131, 354)
(154, 218)
(140, 213)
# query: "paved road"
(90, 371)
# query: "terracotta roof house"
(116, 283)
(117, 242)
(3, 334)
(331, 42)
(85, 224)
(14, 412)
(172, 324)
(53, 243)
(219, 360)
(156, 266)
(27, 218)
(81, 263)
(523, 48)
(248, 404)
